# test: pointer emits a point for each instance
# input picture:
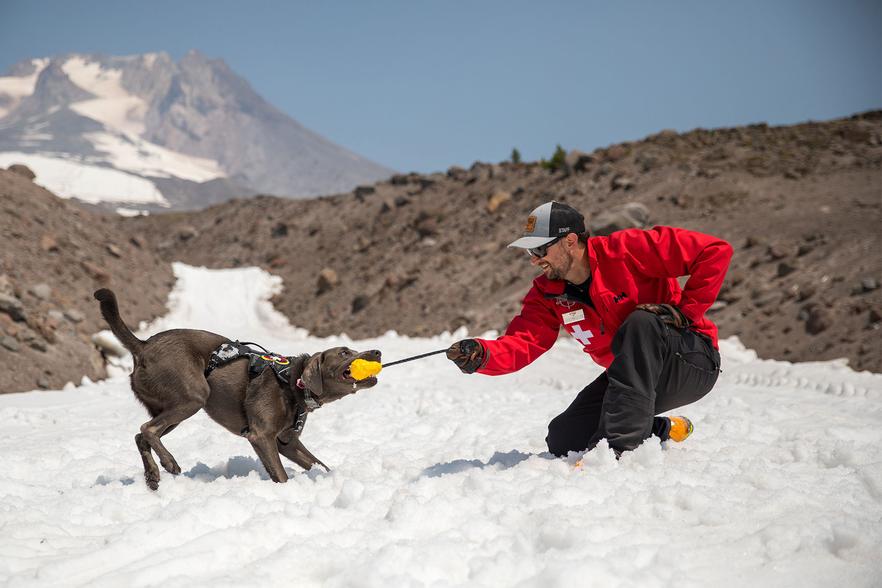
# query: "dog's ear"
(312, 374)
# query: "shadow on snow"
(499, 460)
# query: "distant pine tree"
(515, 155)
(557, 160)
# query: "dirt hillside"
(53, 255)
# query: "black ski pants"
(656, 367)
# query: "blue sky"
(421, 86)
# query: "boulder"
(48, 243)
(457, 173)
(647, 161)
(95, 272)
(818, 320)
(279, 230)
(327, 280)
(628, 216)
(399, 180)
(74, 315)
(616, 152)
(13, 307)
(785, 269)
(496, 200)
(426, 225)
(359, 303)
(41, 291)
(621, 182)
(362, 191)
(187, 232)
(427, 183)
(9, 343)
(806, 291)
(776, 252)
(577, 161)
(22, 170)
(6, 285)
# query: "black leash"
(385, 365)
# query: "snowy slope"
(90, 183)
(441, 479)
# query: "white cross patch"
(583, 337)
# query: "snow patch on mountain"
(114, 106)
(14, 88)
(142, 157)
(90, 183)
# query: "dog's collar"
(311, 402)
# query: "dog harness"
(257, 362)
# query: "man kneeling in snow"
(619, 297)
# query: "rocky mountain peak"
(174, 126)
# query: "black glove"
(669, 314)
(467, 354)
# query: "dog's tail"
(110, 311)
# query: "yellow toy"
(361, 368)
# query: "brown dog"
(169, 378)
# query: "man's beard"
(558, 273)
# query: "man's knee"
(555, 438)
(567, 434)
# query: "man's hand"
(669, 314)
(467, 354)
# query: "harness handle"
(265, 350)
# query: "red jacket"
(628, 268)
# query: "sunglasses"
(542, 250)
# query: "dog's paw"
(171, 466)
(152, 479)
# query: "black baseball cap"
(548, 222)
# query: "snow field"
(442, 479)
(132, 154)
(68, 178)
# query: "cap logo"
(531, 224)
(563, 230)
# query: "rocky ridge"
(421, 254)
